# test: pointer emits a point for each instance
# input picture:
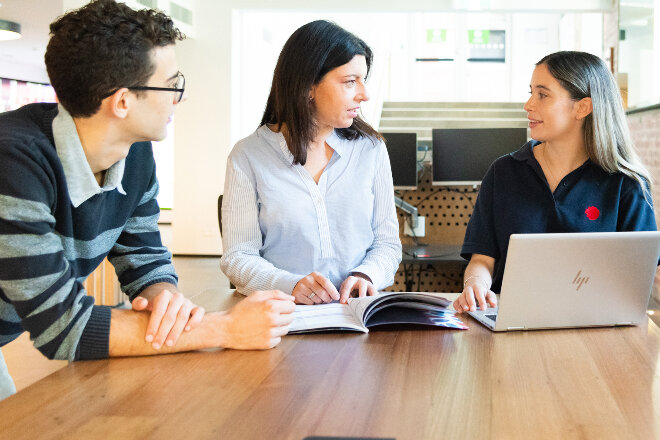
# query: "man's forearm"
(151, 291)
(127, 330)
(255, 323)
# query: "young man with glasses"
(78, 183)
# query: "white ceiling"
(34, 16)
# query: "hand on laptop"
(476, 288)
(475, 294)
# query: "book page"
(332, 316)
(360, 305)
(430, 309)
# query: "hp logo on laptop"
(579, 280)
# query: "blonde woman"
(579, 173)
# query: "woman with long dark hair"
(579, 173)
(308, 205)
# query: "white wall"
(222, 107)
(260, 36)
(639, 53)
(397, 40)
(23, 59)
(205, 128)
(634, 60)
(530, 41)
(202, 132)
(23, 72)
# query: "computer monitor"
(462, 156)
(402, 149)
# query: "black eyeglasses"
(179, 87)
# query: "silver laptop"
(562, 280)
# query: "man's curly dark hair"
(101, 47)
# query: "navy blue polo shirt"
(515, 199)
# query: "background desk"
(432, 253)
(420, 260)
(407, 384)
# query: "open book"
(369, 311)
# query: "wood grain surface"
(406, 383)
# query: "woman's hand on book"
(314, 289)
(356, 282)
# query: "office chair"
(220, 213)
(231, 285)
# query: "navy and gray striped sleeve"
(139, 257)
(35, 277)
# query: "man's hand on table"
(171, 314)
(259, 321)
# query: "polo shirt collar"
(526, 154)
(80, 179)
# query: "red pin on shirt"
(592, 213)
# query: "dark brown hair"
(101, 47)
(310, 52)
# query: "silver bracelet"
(479, 278)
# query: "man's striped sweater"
(49, 244)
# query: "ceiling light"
(9, 30)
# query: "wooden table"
(407, 384)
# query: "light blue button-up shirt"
(279, 225)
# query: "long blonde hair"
(605, 131)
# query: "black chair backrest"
(231, 285)
(220, 212)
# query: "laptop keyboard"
(492, 316)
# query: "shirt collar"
(336, 143)
(526, 154)
(79, 176)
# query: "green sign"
(478, 36)
(436, 35)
